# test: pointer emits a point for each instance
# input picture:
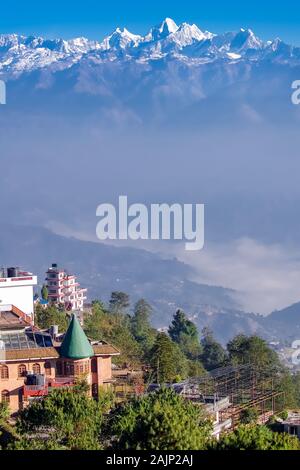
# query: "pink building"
(63, 288)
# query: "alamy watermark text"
(2, 92)
(156, 222)
(296, 93)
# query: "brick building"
(32, 362)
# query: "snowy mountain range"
(59, 164)
(185, 42)
(165, 76)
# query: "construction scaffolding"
(244, 387)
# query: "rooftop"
(75, 344)
(34, 353)
(54, 352)
(27, 339)
(12, 318)
(21, 340)
(293, 419)
(6, 273)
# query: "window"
(94, 368)
(36, 369)
(79, 370)
(47, 368)
(59, 368)
(293, 430)
(69, 368)
(22, 370)
(5, 396)
(4, 372)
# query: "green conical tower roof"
(75, 344)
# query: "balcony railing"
(35, 391)
(64, 380)
(50, 384)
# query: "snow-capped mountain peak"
(187, 34)
(120, 38)
(246, 39)
(185, 42)
(168, 26)
(161, 31)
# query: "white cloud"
(265, 276)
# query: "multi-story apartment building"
(16, 288)
(63, 288)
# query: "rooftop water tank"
(12, 272)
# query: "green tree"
(159, 421)
(195, 368)
(249, 415)
(185, 333)
(252, 350)
(255, 437)
(68, 417)
(44, 292)
(46, 317)
(96, 324)
(119, 302)
(99, 303)
(140, 326)
(4, 412)
(7, 433)
(289, 385)
(296, 383)
(213, 355)
(167, 360)
(102, 325)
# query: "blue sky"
(95, 19)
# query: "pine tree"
(254, 437)
(119, 302)
(160, 421)
(185, 333)
(253, 350)
(213, 355)
(141, 327)
(69, 418)
(167, 361)
(44, 292)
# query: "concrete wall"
(104, 369)
(19, 295)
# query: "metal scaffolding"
(245, 386)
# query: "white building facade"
(16, 288)
(63, 288)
